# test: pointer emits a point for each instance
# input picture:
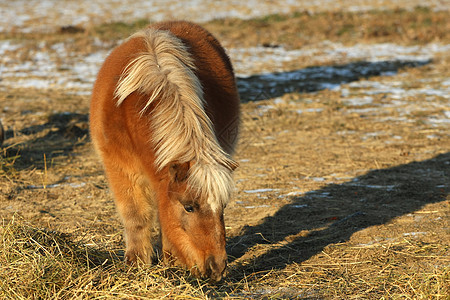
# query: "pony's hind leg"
(135, 203)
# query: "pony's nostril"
(215, 270)
(210, 264)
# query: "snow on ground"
(260, 73)
(56, 67)
(263, 59)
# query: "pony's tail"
(181, 130)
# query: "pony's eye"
(189, 208)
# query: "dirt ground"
(334, 197)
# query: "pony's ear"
(178, 172)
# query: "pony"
(164, 119)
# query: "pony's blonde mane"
(181, 130)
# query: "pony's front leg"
(135, 203)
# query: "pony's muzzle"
(215, 268)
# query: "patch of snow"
(56, 185)
(414, 233)
(375, 186)
(357, 101)
(256, 206)
(300, 111)
(298, 205)
(317, 179)
(258, 191)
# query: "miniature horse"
(164, 118)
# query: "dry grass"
(404, 269)
(299, 29)
(419, 26)
(36, 263)
(343, 237)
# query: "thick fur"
(181, 129)
(164, 118)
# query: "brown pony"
(164, 118)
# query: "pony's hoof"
(135, 259)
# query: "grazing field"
(344, 153)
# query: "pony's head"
(192, 227)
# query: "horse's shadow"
(332, 214)
(316, 78)
(57, 137)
